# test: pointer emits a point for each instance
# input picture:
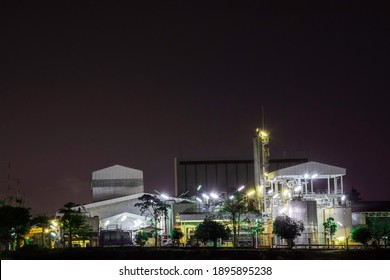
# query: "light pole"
(345, 232)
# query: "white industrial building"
(310, 192)
(115, 191)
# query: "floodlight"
(214, 195)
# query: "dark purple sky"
(87, 86)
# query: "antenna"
(262, 116)
(9, 178)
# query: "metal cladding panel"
(305, 211)
(117, 172)
(106, 193)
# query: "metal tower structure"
(261, 158)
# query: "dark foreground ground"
(136, 253)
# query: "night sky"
(87, 86)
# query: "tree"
(387, 232)
(140, 238)
(330, 228)
(211, 230)
(379, 228)
(73, 223)
(235, 206)
(176, 235)
(43, 222)
(288, 228)
(14, 224)
(257, 228)
(361, 234)
(155, 209)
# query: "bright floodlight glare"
(314, 175)
(241, 188)
(199, 187)
(214, 195)
(283, 210)
(198, 199)
(343, 197)
(205, 195)
(164, 196)
(250, 193)
(106, 223)
(306, 176)
(263, 133)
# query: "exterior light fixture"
(250, 193)
(214, 195)
(199, 187)
(270, 191)
(241, 188)
(306, 176)
(231, 197)
(314, 175)
(275, 196)
(164, 196)
(298, 188)
(205, 196)
(283, 210)
(198, 199)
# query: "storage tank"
(342, 217)
(305, 211)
